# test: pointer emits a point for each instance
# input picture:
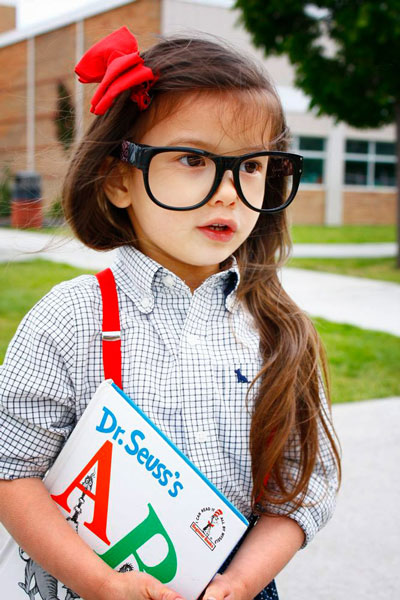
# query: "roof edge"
(18, 35)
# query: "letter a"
(165, 571)
(103, 459)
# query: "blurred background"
(335, 66)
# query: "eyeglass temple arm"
(130, 152)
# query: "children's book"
(136, 500)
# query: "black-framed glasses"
(181, 178)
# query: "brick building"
(32, 64)
(349, 174)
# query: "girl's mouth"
(220, 232)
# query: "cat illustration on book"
(214, 517)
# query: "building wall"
(13, 106)
(54, 60)
(369, 208)
(308, 208)
(7, 18)
(54, 56)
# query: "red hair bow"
(115, 63)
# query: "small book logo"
(209, 525)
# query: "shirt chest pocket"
(233, 404)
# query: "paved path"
(367, 303)
(357, 555)
(344, 250)
(363, 302)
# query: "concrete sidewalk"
(363, 302)
(344, 250)
(367, 303)
(357, 555)
(16, 242)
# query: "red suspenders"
(112, 333)
(111, 327)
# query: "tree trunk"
(397, 114)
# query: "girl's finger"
(217, 590)
(157, 591)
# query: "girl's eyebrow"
(196, 143)
(203, 145)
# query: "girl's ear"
(116, 184)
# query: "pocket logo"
(241, 378)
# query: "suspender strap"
(111, 327)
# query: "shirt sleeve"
(37, 396)
(320, 500)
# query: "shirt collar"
(137, 274)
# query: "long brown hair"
(287, 407)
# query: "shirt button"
(231, 304)
(146, 303)
(169, 281)
(193, 340)
(202, 436)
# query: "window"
(370, 163)
(313, 150)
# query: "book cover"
(136, 500)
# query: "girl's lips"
(221, 221)
(220, 230)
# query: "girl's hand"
(134, 585)
(222, 588)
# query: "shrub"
(64, 117)
(5, 192)
(55, 210)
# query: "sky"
(32, 12)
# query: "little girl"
(185, 169)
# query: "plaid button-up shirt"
(187, 361)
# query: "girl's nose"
(226, 192)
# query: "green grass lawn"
(63, 230)
(364, 364)
(372, 268)
(344, 234)
(21, 286)
(309, 234)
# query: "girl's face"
(187, 243)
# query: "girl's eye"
(192, 160)
(250, 166)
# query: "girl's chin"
(213, 263)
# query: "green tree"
(5, 191)
(345, 55)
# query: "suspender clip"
(111, 336)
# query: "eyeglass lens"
(180, 179)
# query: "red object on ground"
(26, 214)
